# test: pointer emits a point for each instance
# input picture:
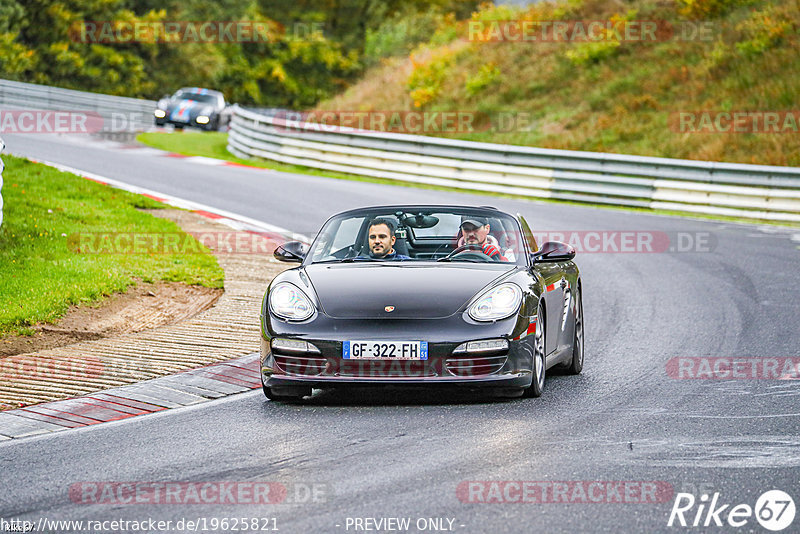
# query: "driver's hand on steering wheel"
(493, 252)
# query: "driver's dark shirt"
(394, 256)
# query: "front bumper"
(191, 123)
(508, 369)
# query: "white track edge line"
(177, 201)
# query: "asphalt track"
(403, 454)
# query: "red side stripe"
(234, 381)
(47, 418)
(234, 164)
(531, 328)
(208, 214)
(86, 409)
(118, 407)
(45, 409)
(147, 407)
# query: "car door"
(553, 292)
(566, 318)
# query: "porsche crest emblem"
(388, 309)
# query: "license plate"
(385, 350)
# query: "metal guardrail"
(748, 191)
(119, 113)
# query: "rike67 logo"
(774, 510)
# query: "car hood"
(358, 291)
(185, 109)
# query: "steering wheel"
(474, 251)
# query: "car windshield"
(420, 234)
(197, 97)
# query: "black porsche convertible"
(193, 106)
(422, 296)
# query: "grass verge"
(44, 211)
(212, 145)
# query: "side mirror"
(292, 251)
(553, 251)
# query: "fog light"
(487, 345)
(160, 113)
(298, 346)
(202, 119)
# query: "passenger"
(475, 232)
(382, 239)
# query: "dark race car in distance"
(436, 306)
(194, 107)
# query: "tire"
(576, 365)
(296, 395)
(539, 361)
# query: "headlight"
(486, 345)
(202, 119)
(160, 113)
(496, 303)
(288, 301)
(282, 344)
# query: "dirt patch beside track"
(137, 336)
(142, 307)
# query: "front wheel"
(539, 360)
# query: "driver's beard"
(378, 257)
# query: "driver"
(381, 241)
(475, 232)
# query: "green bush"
(487, 75)
(762, 30)
(704, 9)
(428, 75)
